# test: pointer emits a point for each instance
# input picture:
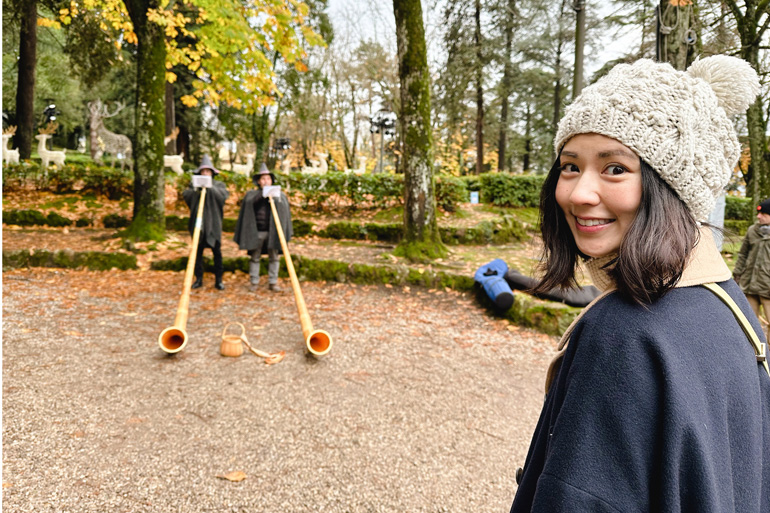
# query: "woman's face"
(599, 190)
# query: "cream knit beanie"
(678, 122)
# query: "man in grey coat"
(256, 231)
(752, 268)
(213, 213)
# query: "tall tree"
(479, 89)
(421, 235)
(509, 23)
(149, 220)
(25, 89)
(752, 23)
(676, 39)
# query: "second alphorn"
(174, 338)
(318, 342)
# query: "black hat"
(262, 171)
(764, 207)
(206, 164)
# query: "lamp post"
(49, 114)
(384, 123)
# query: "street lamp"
(384, 123)
(49, 115)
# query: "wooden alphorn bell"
(174, 338)
(318, 342)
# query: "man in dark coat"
(256, 231)
(213, 213)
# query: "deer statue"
(245, 169)
(10, 156)
(49, 157)
(319, 166)
(173, 161)
(361, 169)
(286, 165)
(102, 140)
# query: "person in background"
(657, 400)
(256, 231)
(752, 268)
(213, 213)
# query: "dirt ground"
(425, 403)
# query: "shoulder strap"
(760, 348)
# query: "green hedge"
(34, 218)
(74, 177)
(739, 208)
(93, 260)
(506, 190)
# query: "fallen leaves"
(235, 476)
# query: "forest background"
(286, 81)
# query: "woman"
(657, 400)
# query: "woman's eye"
(615, 170)
(569, 168)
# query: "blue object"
(491, 276)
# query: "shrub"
(503, 189)
(54, 219)
(450, 191)
(24, 217)
(115, 221)
(739, 208)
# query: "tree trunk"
(580, 41)
(751, 34)
(25, 91)
(527, 140)
(171, 149)
(261, 135)
(505, 94)
(421, 235)
(673, 26)
(479, 93)
(759, 186)
(557, 94)
(149, 222)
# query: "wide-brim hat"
(206, 164)
(263, 170)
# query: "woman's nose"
(586, 191)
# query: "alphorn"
(318, 341)
(174, 338)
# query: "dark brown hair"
(652, 254)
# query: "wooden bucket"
(231, 344)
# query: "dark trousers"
(217, 251)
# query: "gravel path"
(424, 404)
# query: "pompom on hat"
(676, 121)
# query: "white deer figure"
(174, 162)
(102, 140)
(286, 165)
(245, 169)
(317, 167)
(10, 156)
(49, 157)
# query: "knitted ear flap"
(733, 80)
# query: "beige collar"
(706, 265)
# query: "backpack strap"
(760, 348)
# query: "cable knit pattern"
(675, 121)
